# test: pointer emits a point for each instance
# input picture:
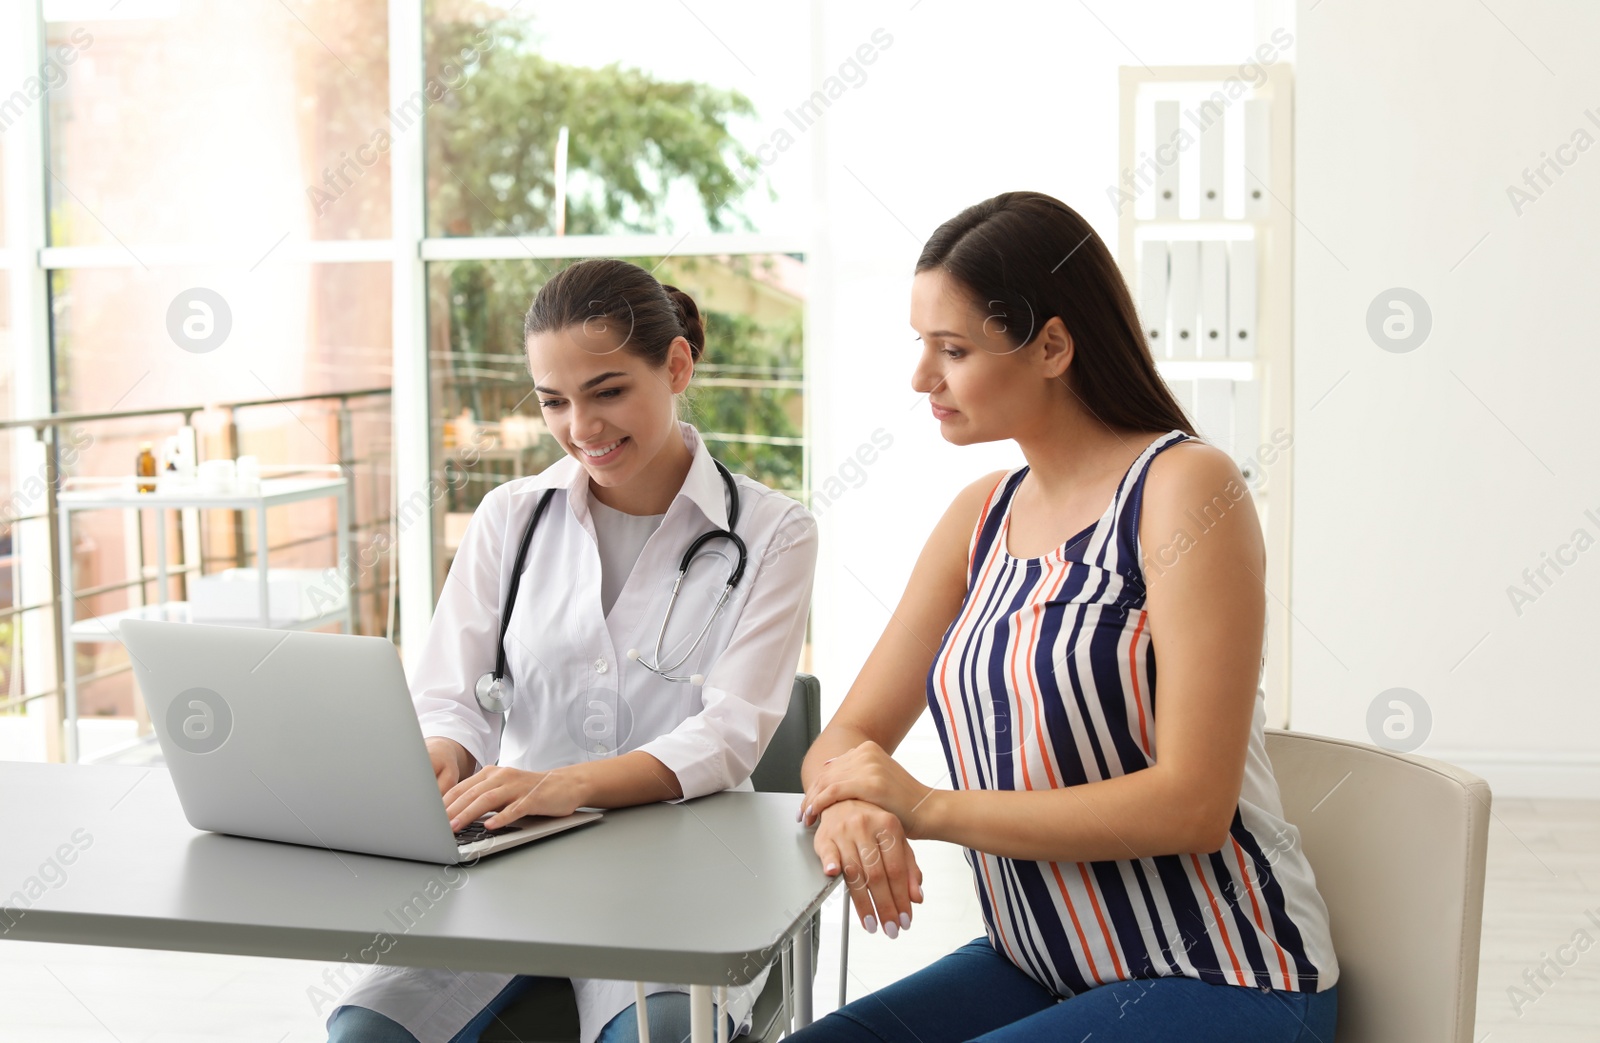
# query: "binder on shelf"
(1166, 157)
(1153, 296)
(1211, 169)
(1257, 158)
(1242, 299)
(1247, 437)
(1183, 306)
(1213, 412)
(1213, 300)
(1183, 391)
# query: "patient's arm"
(856, 839)
(889, 693)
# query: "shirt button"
(599, 666)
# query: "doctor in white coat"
(590, 723)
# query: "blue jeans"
(976, 993)
(668, 1013)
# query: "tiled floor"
(1543, 875)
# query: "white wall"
(1427, 481)
(969, 100)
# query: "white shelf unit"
(121, 494)
(1219, 170)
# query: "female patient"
(590, 722)
(1136, 876)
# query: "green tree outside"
(491, 162)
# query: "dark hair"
(604, 294)
(1025, 258)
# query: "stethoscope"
(494, 689)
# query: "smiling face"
(610, 409)
(981, 386)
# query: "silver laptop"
(305, 738)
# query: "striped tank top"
(1047, 678)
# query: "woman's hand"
(511, 793)
(868, 845)
(867, 773)
(450, 761)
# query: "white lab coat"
(568, 663)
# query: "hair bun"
(694, 327)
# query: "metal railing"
(47, 430)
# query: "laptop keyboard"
(477, 831)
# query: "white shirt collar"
(702, 486)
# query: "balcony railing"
(47, 430)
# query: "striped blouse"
(1047, 678)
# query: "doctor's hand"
(868, 846)
(450, 761)
(866, 772)
(511, 793)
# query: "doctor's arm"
(745, 696)
(460, 645)
(507, 794)
(746, 690)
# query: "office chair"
(548, 1012)
(1397, 843)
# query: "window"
(544, 148)
(156, 191)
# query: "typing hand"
(450, 761)
(511, 793)
(868, 845)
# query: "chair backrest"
(1397, 843)
(779, 768)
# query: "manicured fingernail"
(797, 815)
(891, 929)
(905, 920)
(808, 810)
(870, 922)
(830, 760)
(830, 867)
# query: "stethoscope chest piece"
(494, 693)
